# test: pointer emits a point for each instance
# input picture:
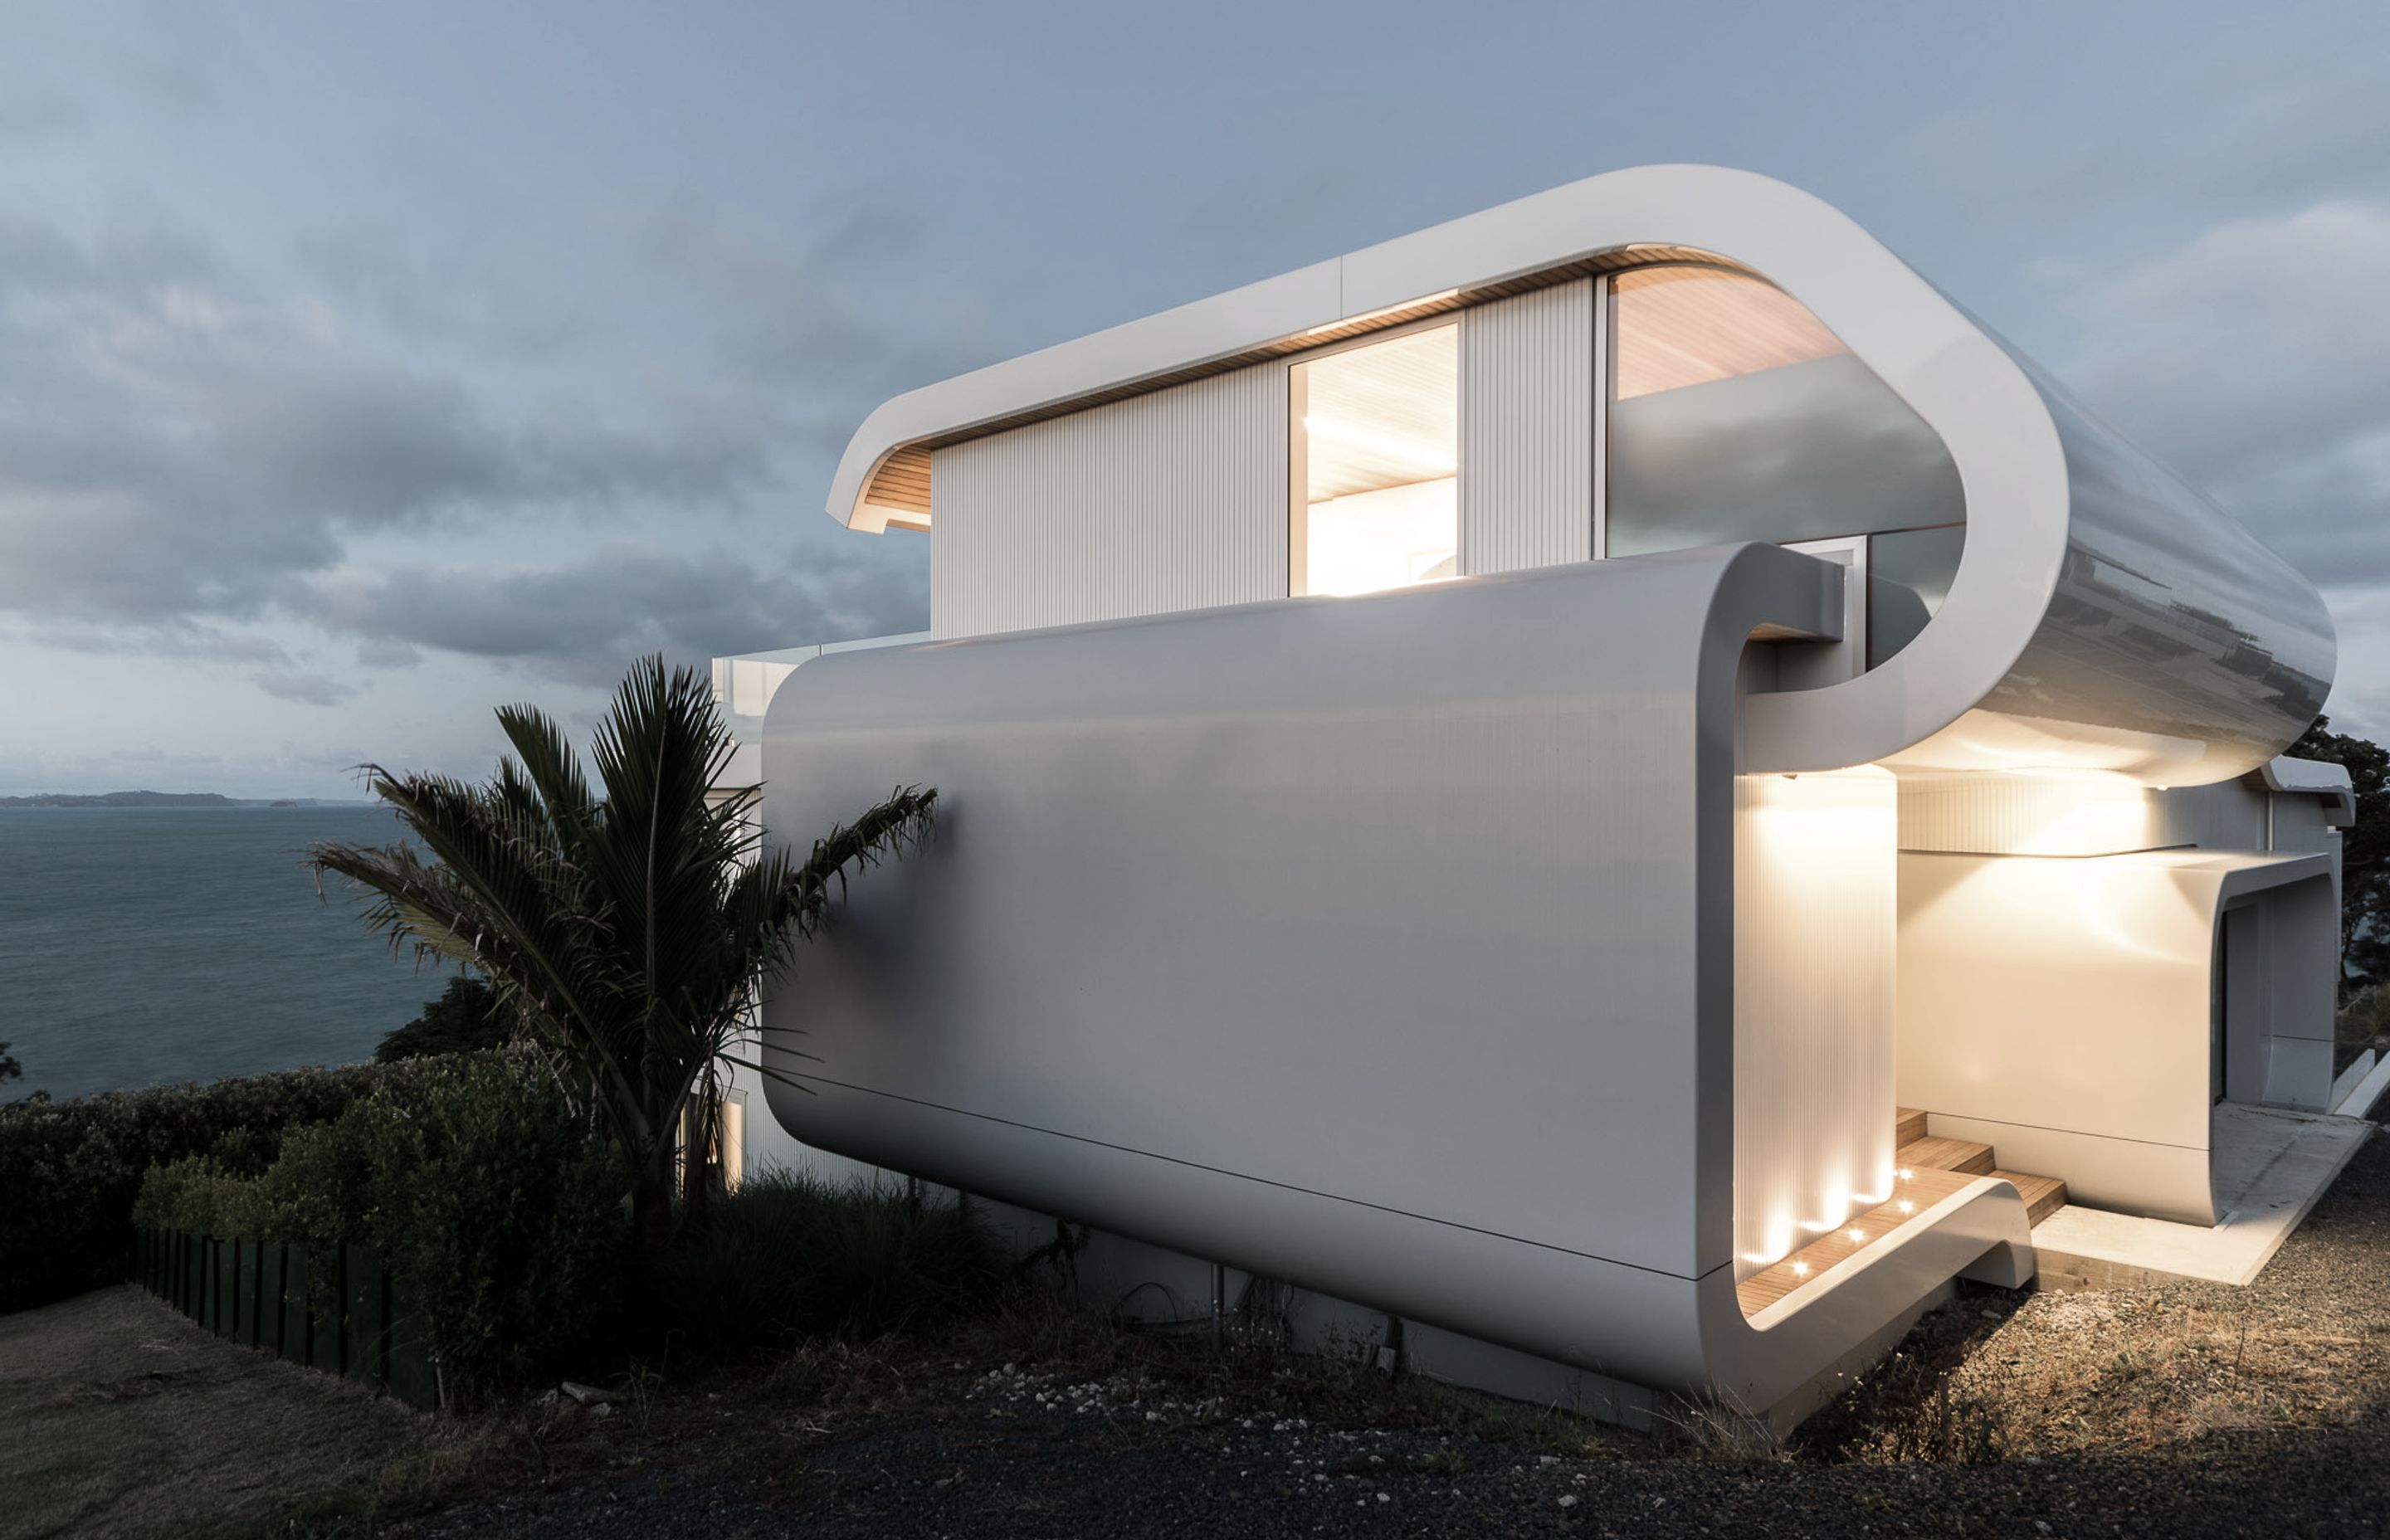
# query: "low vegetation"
(70, 1170)
(789, 1257)
(476, 1182)
(2365, 847)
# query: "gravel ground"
(2191, 1410)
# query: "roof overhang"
(2194, 659)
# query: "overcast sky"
(362, 367)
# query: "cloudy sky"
(366, 367)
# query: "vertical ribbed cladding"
(1814, 1007)
(1527, 411)
(1176, 500)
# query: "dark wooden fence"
(334, 1308)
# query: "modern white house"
(1617, 780)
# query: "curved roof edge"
(1953, 375)
(1546, 237)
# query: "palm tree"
(624, 930)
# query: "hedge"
(70, 1170)
(478, 1184)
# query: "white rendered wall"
(1815, 938)
(1172, 501)
(1527, 409)
(2059, 1008)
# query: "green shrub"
(466, 1018)
(502, 1206)
(788, 1256)
(478, 1183)
(69, 1170)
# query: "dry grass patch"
(2115, 1372)
(120, 1417)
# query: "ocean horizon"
(144, 945)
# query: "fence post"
(382, 1281)
(341, 1309)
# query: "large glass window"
(1375, 451)
(1735, 414)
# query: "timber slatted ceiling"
(1683, 326)
(903, 479)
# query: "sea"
(140, 945)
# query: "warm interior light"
(1907, 1174)
(1858, 1235)
(1378, 437)
(1389, 538)
(1908, 1207)
(1800, 1269)
(1428, 457)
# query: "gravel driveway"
(2187, 1411)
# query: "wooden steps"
(1919, 1150)
(1912, 1196)
(1932, 1154)
(1931, 1170)
(2043, 1195)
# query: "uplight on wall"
(1816, 940)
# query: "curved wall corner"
(1381, 945)
(2080, 1044)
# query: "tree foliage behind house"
(466, 1018)
(2365, 872)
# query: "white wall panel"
(1815, 937)
(1176, 500)
(2088, 1017)
(1526, 430)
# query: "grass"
(120, 1417)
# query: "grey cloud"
(582, 622)
(171, 639)
(423, 295)
(2257, 359)
(387, 652)
(825, 332)
(34, 112)
(310, 689)
(171, 448)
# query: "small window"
(1908, 570)
(1375, 457)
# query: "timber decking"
(1919, 1191)
(1931, 1170)
(1947, 1155)
(2043, 1195)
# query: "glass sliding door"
(1375, 454)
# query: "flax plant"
(624, 924)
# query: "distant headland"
(158, 799)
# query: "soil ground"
(2188, 1410)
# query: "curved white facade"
(1529, 955)
(1385, 945)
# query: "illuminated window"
(1375, 441)
(1735, 414)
